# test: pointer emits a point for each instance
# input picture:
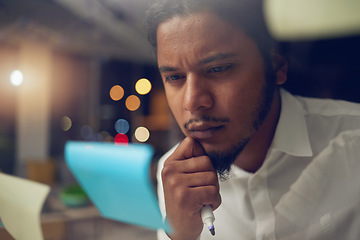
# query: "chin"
(216, 147)
(223, 158)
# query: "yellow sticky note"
(308, 19)
(21, 202)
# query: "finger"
(177, 181)
(193, 199)
(206, 195)
(197, 164)
(188, 148)
(191, 180)
(202, 179)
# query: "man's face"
(214, 80)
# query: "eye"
(174, 78)
(219, 69)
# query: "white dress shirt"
(308, 186)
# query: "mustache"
(206, 119)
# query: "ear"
(280, 66)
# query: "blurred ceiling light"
(116, 92)
(132, 103)
(66, 123)
(142, 134)
(143, 86)
(16, 78)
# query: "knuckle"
(167, 170)
(170, 179)
(173, 182)
(181, 194)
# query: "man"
(271, 165)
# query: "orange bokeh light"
(116, 93)
(132, 103)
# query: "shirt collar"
(291, 134)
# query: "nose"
(198, 94)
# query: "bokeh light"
(86, 132)
(142, 134)
(121, 139)
(109, 139)
(143, 86)
(122, 126)
(66, 123)
(16, 78)
(105, 134)
(116, 93)
(98, 137)
(132, 103)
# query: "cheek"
(240, 100)
(175, 104)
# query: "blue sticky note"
(117, 180)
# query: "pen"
(208, 218)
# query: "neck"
(253, 155)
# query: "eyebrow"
(215, 57)
(164, 69)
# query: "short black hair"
(247, 14)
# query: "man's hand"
(190, 182)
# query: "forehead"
(199, 21)
(199, 34)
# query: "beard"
(223, 160)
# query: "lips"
(202, 131)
